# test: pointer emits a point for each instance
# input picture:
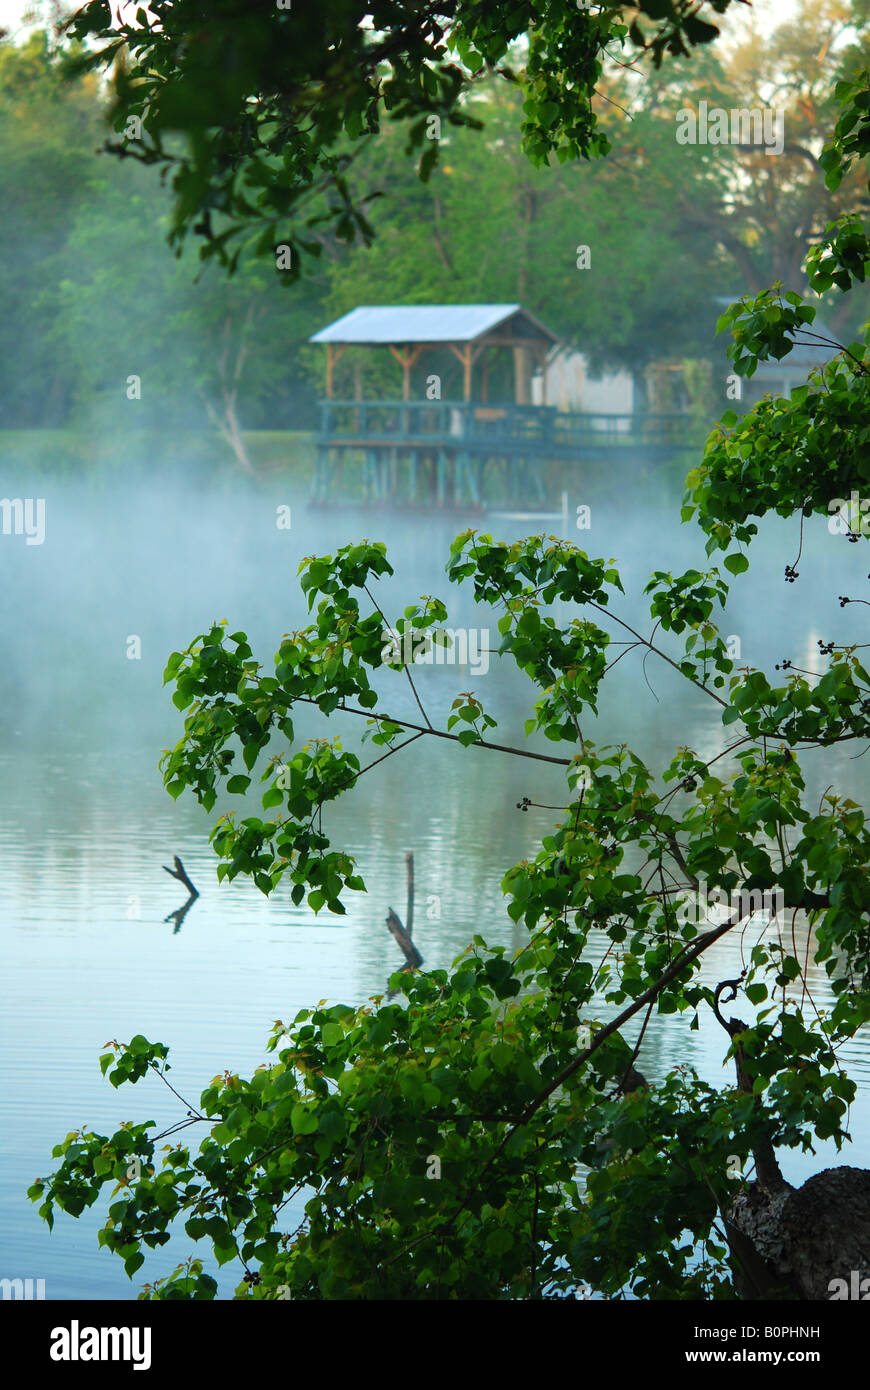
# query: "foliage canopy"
(275, 107)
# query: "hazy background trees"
(91, 294)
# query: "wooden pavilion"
(422, 450)
(470, 331)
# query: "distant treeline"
(99, 318)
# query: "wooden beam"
(465, 356)
(402, 358)
(413, 359)
(333, 352)
(517, 342)
(407, 357)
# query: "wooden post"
(522, 383)
(407, 358)
(333, 352)
(409, 915)
(466, 358)
(401, 934)
(409, 950)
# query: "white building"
(570, 386)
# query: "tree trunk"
(227, 427)
(234, 437)
(786, 1242)
(811, 1242)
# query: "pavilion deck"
(450, 453)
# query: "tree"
(487, 227)
(439, 1138)
(93, 295)
(274, 110)
(48, 131)
(219, 351)
(670, 225)
(767, 212)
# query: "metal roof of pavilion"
(424, 323)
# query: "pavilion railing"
(475, 425)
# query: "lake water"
(85, 823)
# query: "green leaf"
(303, 1120)
(736, 563)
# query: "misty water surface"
(85, 824)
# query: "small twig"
(194, 1113)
